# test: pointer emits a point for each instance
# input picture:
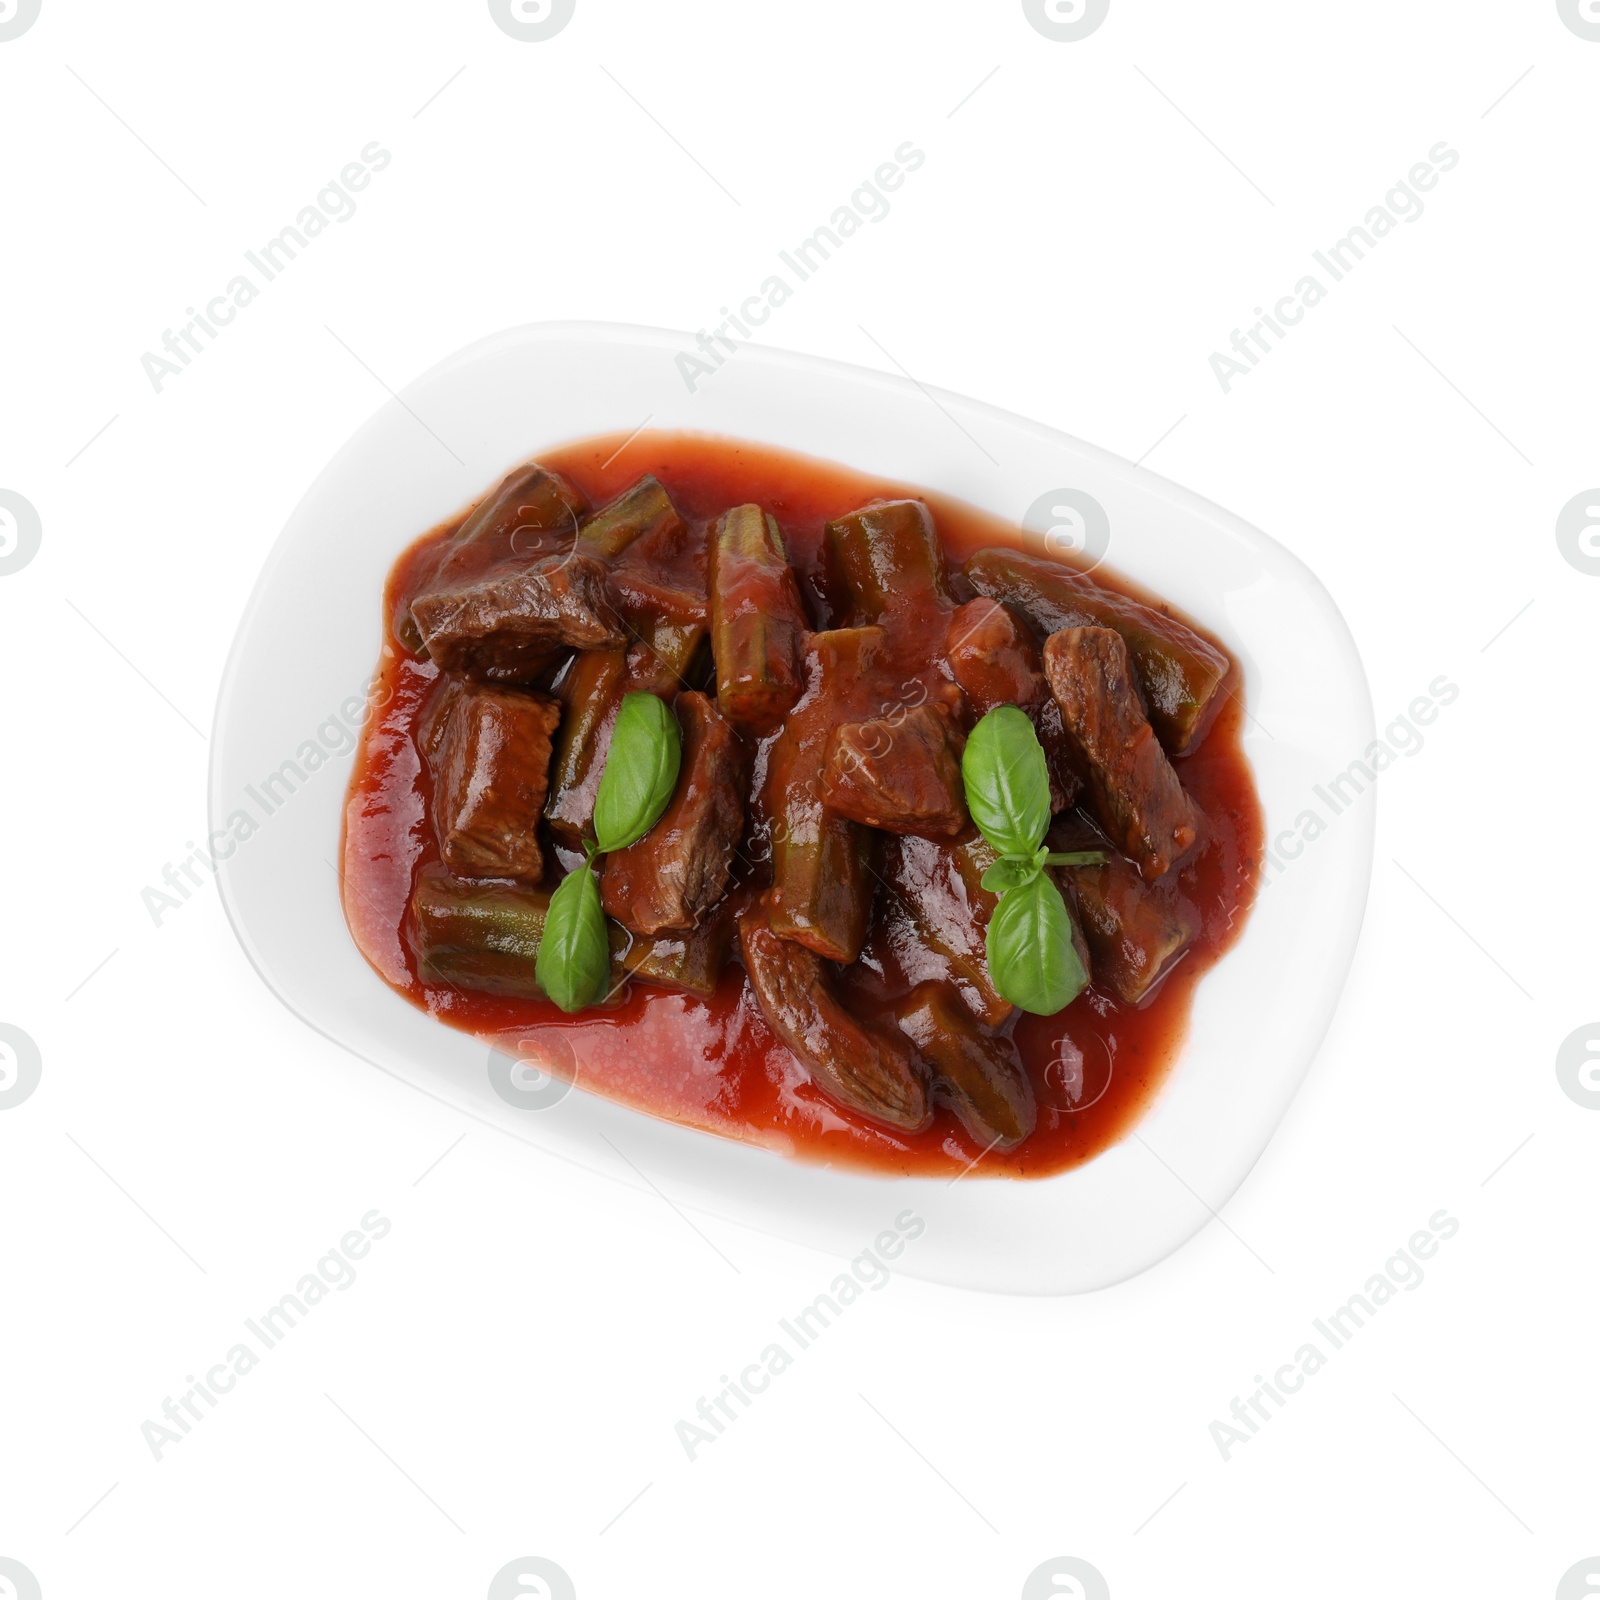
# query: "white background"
(505, 1377)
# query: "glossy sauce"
(713, 1063)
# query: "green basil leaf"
(574, 960)
(1008, 873)
(641, 771)
(1007, 783)
(1033, 960)
(1075, 858)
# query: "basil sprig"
(640, 773)
(1032, 954)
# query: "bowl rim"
(620, 333)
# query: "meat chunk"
(1065, 784)
(510, 625)
(898, 773)
(529, 511)
(661, 576)
(436, 709)
(1133, 790)
(870, 1072)
(979, 1073)
(668, 880)
(993, 656)
(936, 915)
(1135, 934)
(489, 750)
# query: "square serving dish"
(309, 639)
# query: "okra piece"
(979, 1073)
(889, 556)
(1179, 673)
(822, 882)
(876, 1073)
(481, 936)
(646, 508)
(589, 693)
(1135, 933)
(938, 889)
(485, 937)
(690, 961)
(758, 623)
(822, 875)
(660, 658)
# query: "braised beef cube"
(992, 653)
(1179, 672)
(646, 603)
(436, 711)
(1136, 930)
(822, 863)
(668, 880)
(1133, 790)
(979, 1073)
(530, 499)
(994, 658)
(871, 1072)
(1060, 759)
(529, 512)
(936, 914)
(491, 765)
(900, 773)
(661, 576)
(507, 627)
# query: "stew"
(799, 807)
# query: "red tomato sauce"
(714, 1064)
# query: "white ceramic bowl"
(309, 640)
